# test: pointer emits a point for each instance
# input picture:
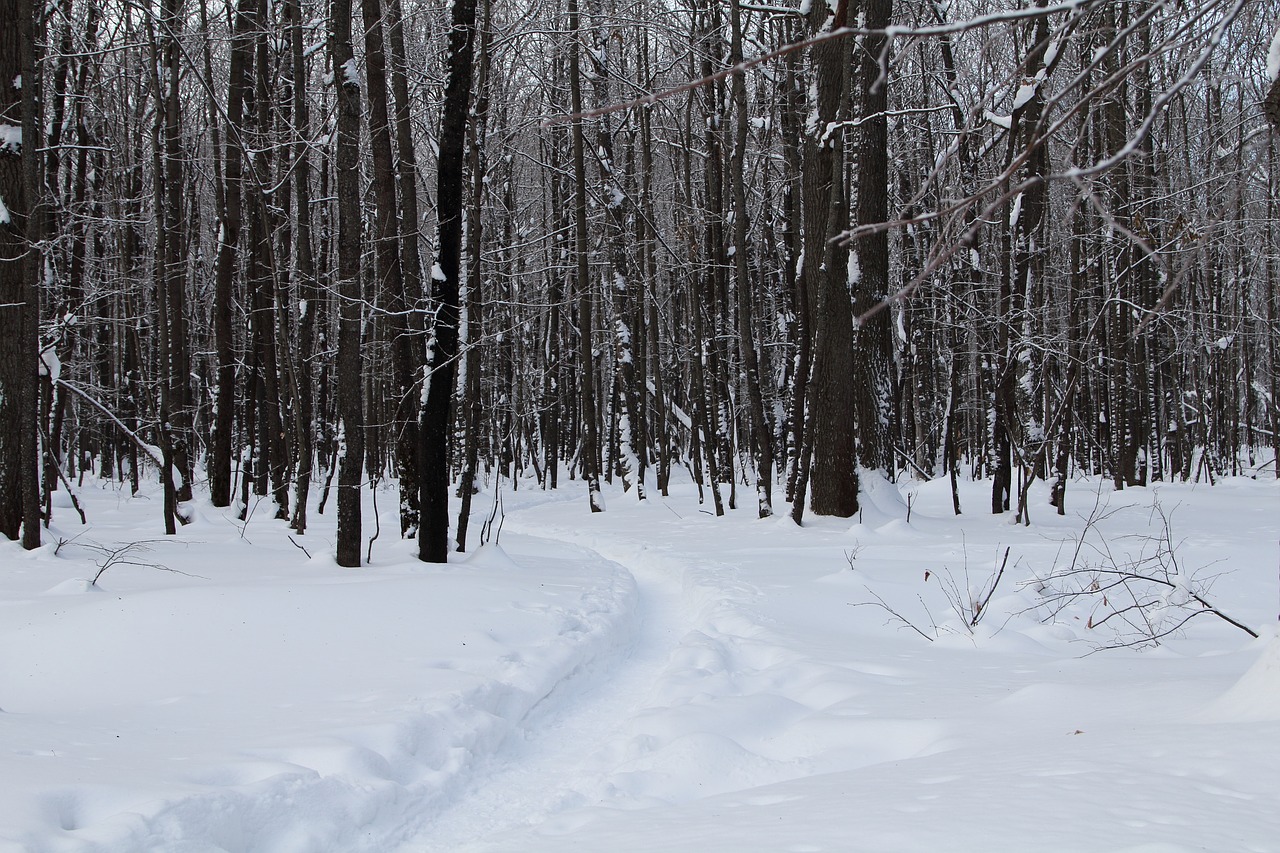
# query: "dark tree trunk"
(19, 182)
(589, 449)
(761, 440)
(410, 336)
(178, 369)
(433, 536)
(350, 292)
(834, 471)
(389, 256)
(307, 289)
(228, 243)
(872, 381)
(471, 406)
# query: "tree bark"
(761, 440)
(19, 185)
(586, 332)
(228, 244)
(350, 290)
(872, 382)
(471, 408)
(389, 256)
(436, 412)
(834, 471)
(307, 287)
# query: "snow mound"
(880, 501)
(73, 586)
(491, 556)
(1256, 696)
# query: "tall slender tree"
(19, 266)
(437, 407)
(833, 469)
(589, 450)
(761, 439)
(350, 290)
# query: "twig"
(837, 33)
(299, 545)
(120, 557)
(70, 541)
(880, 602)
(1131, 577)
(498, 513)
(377, 523)
(75, 502)
(980, 606)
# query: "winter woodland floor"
(650, 678)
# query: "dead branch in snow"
(1142, 597)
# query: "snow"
(1025, 93)
(1273, 57)
(1051, 53)
(4, 213)
(50, 365)
(351, 74)
(1256, 696)
(1005, 122)
(649, 678)
(10, 138)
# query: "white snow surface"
(10, 138)
(649, 678)
(1273, 57)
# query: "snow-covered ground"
(650, 678)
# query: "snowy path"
(775, 717)
(280, 702)
(558, 756)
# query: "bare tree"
(437, 408)
(19, 266)
(350, 291)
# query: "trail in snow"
(721, 686)
(559, 756)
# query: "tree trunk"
(471, 408)
(389, 255)
(350, 291)
(19, 203)
(179, 362)
(228, 243)
(761, 440)
(307, 290)
(586, 332)
(436, 413)
(872, 381)
(834, 471)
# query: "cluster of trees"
(274, 243)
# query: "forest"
(269, 249)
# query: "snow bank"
(650, 678)
(1256, 696)
(264, 701)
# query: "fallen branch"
(153, 453)
(1143, 598)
